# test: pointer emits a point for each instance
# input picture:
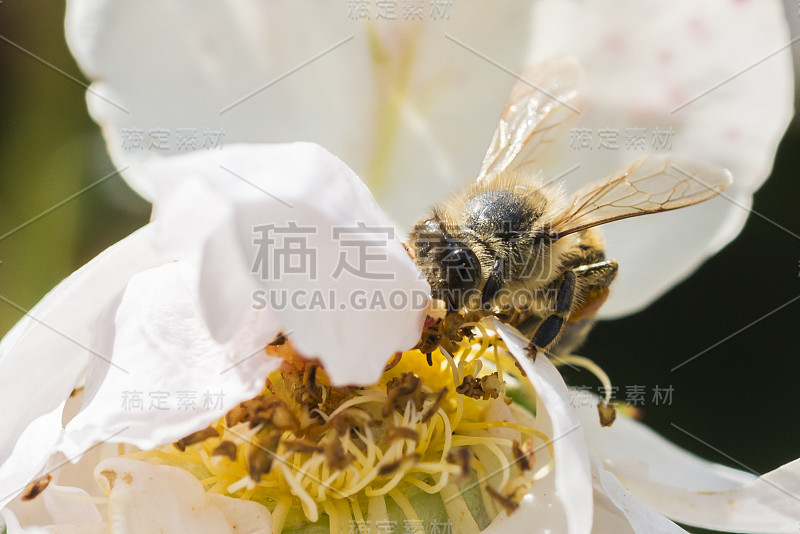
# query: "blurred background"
(740, 396)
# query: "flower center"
(436, 440)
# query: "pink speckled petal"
(680, 67)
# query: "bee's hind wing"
(542, 106)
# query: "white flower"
(576, 494)
(169, 309)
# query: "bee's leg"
(573, 317)
(550, 328)
(594, 281)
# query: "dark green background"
(741, 397)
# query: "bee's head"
(450, 265)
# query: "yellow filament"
(457, 510)
(359, 517)
(309, 506)
(457, 381)
(376, 512)
(404, 505)
(334, 520)
(364, 398)
(522, 429)
(590, 366)
(280, 512)
(497, 365)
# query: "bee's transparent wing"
(650, 184)
(541, 108)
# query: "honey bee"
(512, 246)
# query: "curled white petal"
(69, 503)
(573, 481)
(228, 213)
(177, 379)
(222, 53)
(46, 352)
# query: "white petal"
(79, 474)
(63, 505)
(619, 512)
(643, 61)
(542, 509)
(46, 352)
(396, 116)
(66, 504)
(31, 450)
(64, 499)
(689, 489)
(769, 505)
(537, 513)
(246, 517)
(144, 498)
(200, 227)
(201, 58)
(13, 527)
(635, 452)
(212, 208)
(177, 379)
(92, 528)
(458, 84)
(73, 513)
(573, 481)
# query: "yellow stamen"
(333, 450)
(590, 366)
